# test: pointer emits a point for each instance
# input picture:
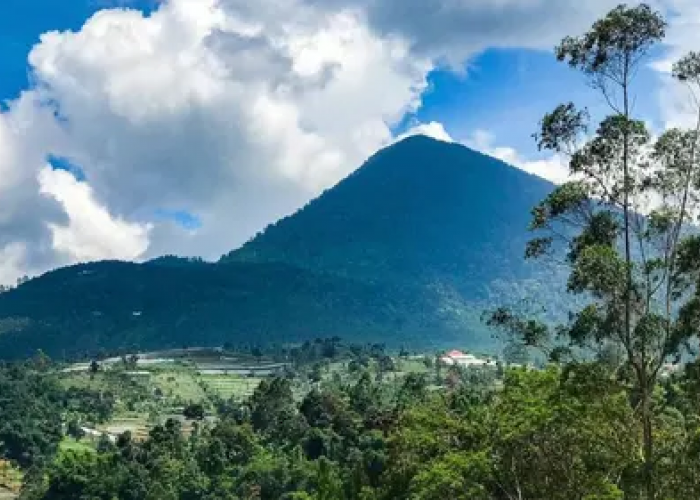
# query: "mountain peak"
(417, 156)
(419, 139)
(421, 206)
(424, 143)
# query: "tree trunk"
(643, 376)
(647, 424)
(625, 207)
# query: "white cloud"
(25, 240)
(436, 130)
(91, 233)
(553, 168)
(675, 103)
(13, 257)
(237, 115)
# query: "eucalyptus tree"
(621, 222)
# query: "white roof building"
(462, 359)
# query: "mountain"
(421, 210)
(408, 250)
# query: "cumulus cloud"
(43, 211)
(25, 239)
(455, 29)
(235, 116)
(14, 262)
(91, 232)
(554, 168)
(436, 130)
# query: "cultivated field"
(10, 481)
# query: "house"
(463, 359)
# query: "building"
(463, 359)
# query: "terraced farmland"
(231, 386)
(137, 425)
(180, 385)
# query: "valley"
(197, 389)
(148, 389)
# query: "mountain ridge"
(408, 249)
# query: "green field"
(231, 386)
(69, 444)
(182, 385)
(149, 395)
(137, 425)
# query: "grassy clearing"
(411, 366)
(127, 421)
(231, 386)
(179, 385)
(69, 444)
(137, 425)
(85, 381)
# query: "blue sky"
(23, 21)
(507, 91)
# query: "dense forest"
(108, 308)
(558, 433)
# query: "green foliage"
(558, 434)
(29, 406)
(635, 265)
(616, 42)
(194, 411)
(456, 475)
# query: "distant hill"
(407, 251)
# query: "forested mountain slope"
(407, 250)
(421, 211)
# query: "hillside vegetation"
(110, 307)
(408, 249)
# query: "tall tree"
(622, 220)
